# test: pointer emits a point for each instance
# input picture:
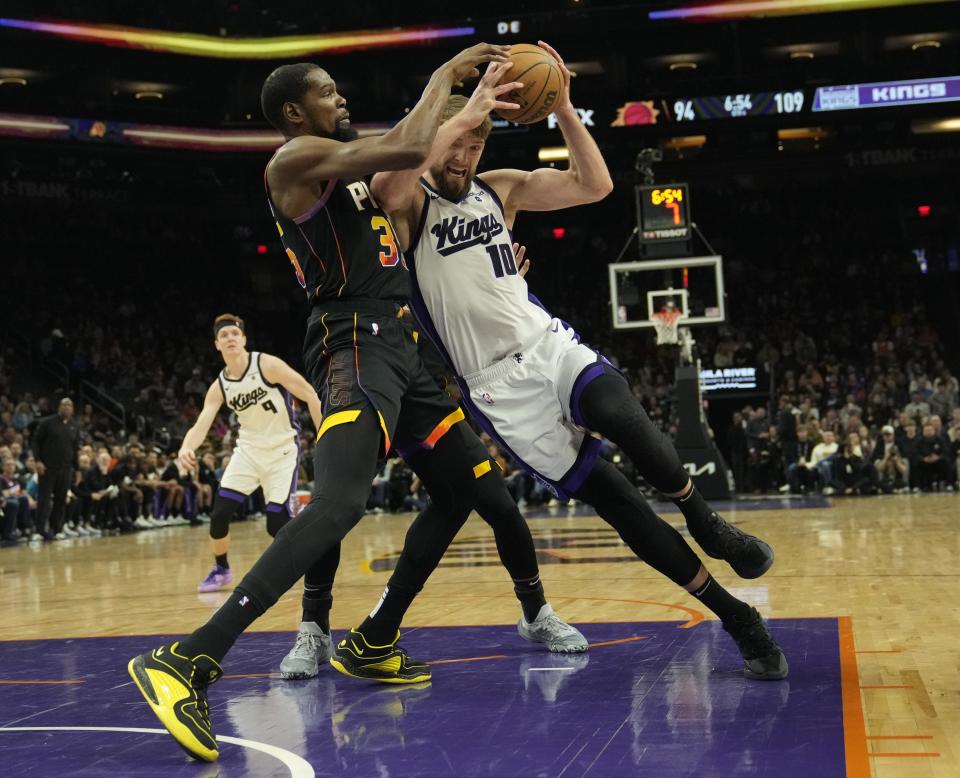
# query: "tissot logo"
(456, 233)
(709, 468)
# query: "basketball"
(542, 84)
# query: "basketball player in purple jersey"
(375, 395)
(524, 375)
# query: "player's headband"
(226, 323)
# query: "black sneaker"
(387, 664)
(763, 660)
(749, 556)
(175, 687)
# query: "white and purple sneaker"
(216, 579)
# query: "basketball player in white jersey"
(524, 375)
(258, 388)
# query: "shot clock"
(663, 212)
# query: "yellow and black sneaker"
(175, 687)
(388, 664)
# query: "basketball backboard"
(694, 285)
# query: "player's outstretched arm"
(587, 179)
(308, 159)
(276, 371)
(397, 189)
(198, 432)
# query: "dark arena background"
(785, 175)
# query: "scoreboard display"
(689, 109)
(663, 213)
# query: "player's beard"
(452, 189)
(345, 134)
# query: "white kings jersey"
(265, 410)
(465, 281)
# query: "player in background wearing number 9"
(524, 375)
(375, 395)
(259, 388)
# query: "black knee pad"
(276, 520)
(223, 510)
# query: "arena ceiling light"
(238, 48)
(221, 140)
(801, 133)
(929, 126)
(15, 124)
(685, 142)
(553, 154)
(802, 50)
(920, 41)
(732, 9)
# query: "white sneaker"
(785, 488)
(35, 537)
(179, 520)
(141, 523)
(70, 533)
(82, 531)
(60, 536)
(828, 490)
(548, 628)
(312, 648)
(93, 531)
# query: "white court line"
(298, 767)
(552, 669)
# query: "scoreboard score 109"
(663, 213)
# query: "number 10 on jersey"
(501, 255)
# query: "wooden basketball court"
(862, 597)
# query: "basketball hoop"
(666, 322)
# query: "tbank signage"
(885, 93)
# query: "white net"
(666, 323)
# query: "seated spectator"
(932, 467)
(821, 459)
(401, 477)
(942, 402)
(182, 500)
(766, 462)
(207, 484)
(918, 408)
(104, 496)
(953, 435)
(124, 473)
(417, 499)
(892, 468)
(850, 474)
(801, 471)
(908, 448)
(379, 499)
(947, 383)
(15, 514)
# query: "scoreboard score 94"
(663, 212)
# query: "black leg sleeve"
(609, 407)
(460, 476)
(345, 462)
(619, 503)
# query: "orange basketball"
(542, 84)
